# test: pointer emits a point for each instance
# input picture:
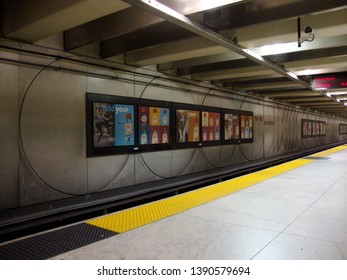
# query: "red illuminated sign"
(331, 81)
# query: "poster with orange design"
(187, 126)
(210, 126)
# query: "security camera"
(309, 35)
(310, 30)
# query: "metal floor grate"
(53, 243)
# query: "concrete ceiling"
(250, 46)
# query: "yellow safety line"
(330, 151)
(141, 215)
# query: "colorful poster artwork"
(113, 125)
(154, 125)
(246, 127)
(304, 128)
(313, 129)
(343, 129)
(309, 128)
(210, 126)
(103, 129)
(231, 127)
(318, 132)
(321, 128)
(124, 125)
(187, 126)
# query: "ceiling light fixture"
(330, 93)
(276, 48)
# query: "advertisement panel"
(304, 128)
(113, 125)
(103, 129)
(246, 127)
(120, 125)
(154, 125)
(312, 128)
(211, 126)
(309, 128)
(342, 128)
(187, 126)
(231, 126)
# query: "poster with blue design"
(124, 125)
(103, 130)
(113, 125)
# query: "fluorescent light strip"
(330, 93)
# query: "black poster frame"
(231, 112)
(158, 104)
(249, 139)
(208, 143)
(92, 149)
(311, 128)
(119, 111)
(176, 129)
(342, 129)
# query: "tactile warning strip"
(53, 243)
(136, 217)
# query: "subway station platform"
(296, 211)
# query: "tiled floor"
(301, 214)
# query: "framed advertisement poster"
(187, 121)
(304, 128)
(211, 126)
(111, 124)
(238, 126)
(154, 125)
(322, 128)
(231, 120)
(246, 134)
(311, 128)
(342, 128)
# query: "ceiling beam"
(165, 12)
(342, 109)
(291, 93)
(171, 50)
(200, 63)
(110, 47)
(305, 99)
(321, 105)
(260, 86)
(280, 34)
(277, 58)
(157, 35)
(132, 20)
(32, 20)
(338, 62)
(260, 11)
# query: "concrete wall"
(43, 131)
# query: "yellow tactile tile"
(138, 216)
(330, 151)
